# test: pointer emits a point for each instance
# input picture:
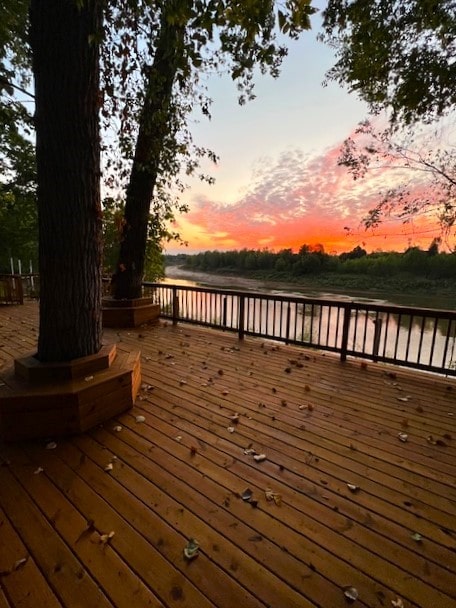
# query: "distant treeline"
(312, 260)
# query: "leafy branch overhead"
(425, 162)
(157, 57)
(396, 54)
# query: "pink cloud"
(292, 200)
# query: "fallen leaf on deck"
(404, 398)
(352, 487)
(191, 549)
(182, 382)
(51, 445)
(259, 457)
(273, 497)
(146, 387)
(231, 429)
(117, 428)
(225, 392)
(307, 388)
(88, 378)
(250, 452)
(403, 437)
(140, 419)
(416, 537)
(20, 563)
(109, 467)
(38, 471)
(247, 494)
(193, 450)
(234, 418)
(310, 407)
(105, 538)
(220, 372)
(351, 593)
(398, 603)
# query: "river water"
(180, 276)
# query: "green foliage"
(113, 218)
(286, 265)
(396, 54)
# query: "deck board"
(182, 471)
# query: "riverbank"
(403, 290)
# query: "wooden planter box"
(49, 400)
(129, 313)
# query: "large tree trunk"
(66, 70)
(153, 128)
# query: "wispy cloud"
(291, 200)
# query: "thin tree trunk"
(66, 70)
(153, 128)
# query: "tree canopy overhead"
(396, 54)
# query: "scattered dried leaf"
(225, 392)
(247, 494)
(231, 429)
(117, 428)
(191, 549)
(220, 372)
(403, 437)
(140, 419)
(193, 450)
(351, 593)
(353, 488)
(179, 438)
(307, 388)
(38, 471)
(416, 536)
(250, 452)
(182, 382)
(404, 398)
(259, 457)
(20, 563)
(397, 603)
(88, 378)
(109, 467)
(51, 445)
(234, 418)
(105, 538)
(273, 497)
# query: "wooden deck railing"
(412, 337)
(11, 291)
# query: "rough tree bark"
(153, 125)
(66, 70)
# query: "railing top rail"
(353, 304)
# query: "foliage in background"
(427, 166)
(18, 215)
(312, 260)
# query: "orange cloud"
(300, 199)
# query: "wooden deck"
(75, 534)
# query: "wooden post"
(377, 333)
(345, 330)
(175, 305)
(241, 326)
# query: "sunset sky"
(277, 183)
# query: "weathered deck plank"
(181, 472)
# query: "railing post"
(345, 331)
(241, 317)
(175, 305)
(376, 342)
(225, 303)
(287, 329)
